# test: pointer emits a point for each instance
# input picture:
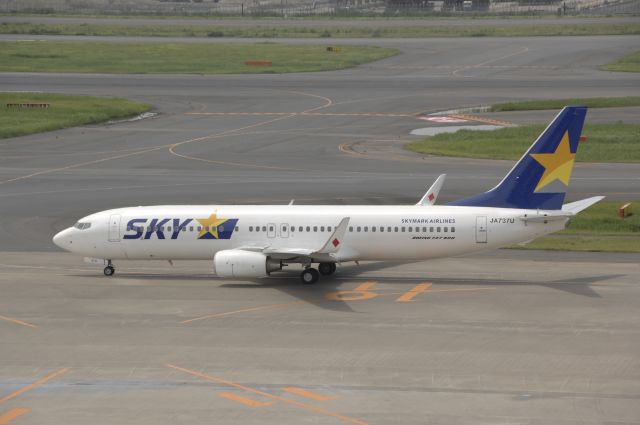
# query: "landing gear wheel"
(310, 276)
(109, 271)
(326, 269)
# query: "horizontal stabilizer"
(430, 197)
(576, 207)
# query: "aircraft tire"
(327, 269)
(310, 276)
(109, 271)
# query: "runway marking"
(227, 133)
(295, 403)
(7, 417)
(34, 385)
(414, 292)
(308, 394)
(245, 310)
(361, 293)
(523, 50)
(484, 120)
(19, 322)
(313, 114)
(172, 147)
(246, 401)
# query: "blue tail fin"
(541, 177)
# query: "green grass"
(592, 102)
(598, 228)
(152, 58)
(605, 143)
(584, 243)
(64, 111)
(559, 29)
(629, 63)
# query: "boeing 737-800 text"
(254, 241)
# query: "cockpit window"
(82, 226)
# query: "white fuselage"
(374, 232)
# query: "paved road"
(506, 337)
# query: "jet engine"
(239, 263)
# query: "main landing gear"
(109, 270)
(310, 275)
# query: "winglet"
(334, 242)
(430, 197)
(576, 207)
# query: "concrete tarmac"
(500, 338)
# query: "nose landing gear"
(109, 270)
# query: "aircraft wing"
(430, 197)
(331, 246)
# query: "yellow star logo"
(557, 165)
(210, 225)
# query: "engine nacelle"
(239, 263)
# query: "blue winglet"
(540, 179)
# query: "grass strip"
(605, 143)
(584, 243)
(591, 102)
(64, 111)
(172, 58)
(629, 63)
(532, 30)
(598, 228)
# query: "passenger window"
(308, 229)
(237, 228)
(389, 229)
(264, 228)
(446, 229)
(358, 228)
(402, 229)
(351, 228)
(322, 228)
(168, 228)
(438, 229)
(251, 228)
(315, 228)
(271, 228)
(293, 228)
(431, 229)
(453, 229)
(424, 229)
(366, 228)
(373, 229)
(191, 228)
(328, 228)
(411, 229)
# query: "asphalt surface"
(506, 337)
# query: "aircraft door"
(114, 228)
(271, 230)
(284, 230)
(481, 229)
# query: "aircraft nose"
(63, 239)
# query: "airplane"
(253, 241)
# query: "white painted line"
(432, 131)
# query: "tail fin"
(541, 177)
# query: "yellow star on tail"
(557, 165)
(210, 225)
